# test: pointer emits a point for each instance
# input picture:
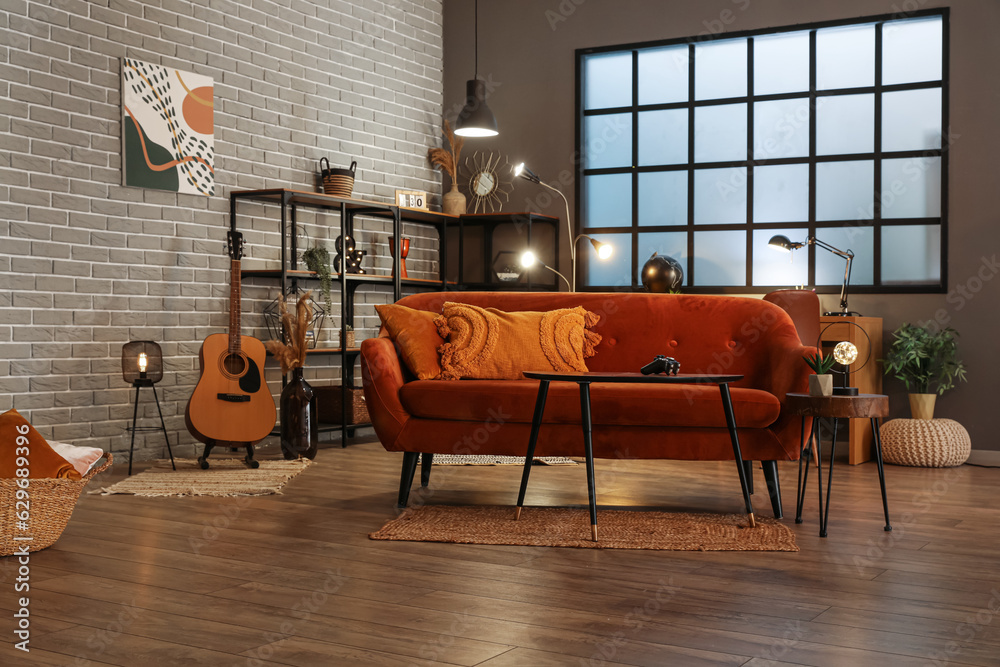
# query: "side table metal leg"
(818, 430)
(877, 437)
(727, 406)
(588, 450)
(536, 424)
(825, 518)
(800, 491)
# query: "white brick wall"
(87, 264)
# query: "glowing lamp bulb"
(142, 362)
(605, 251)
(528, 259)
(845, 353)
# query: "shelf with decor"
(499, 239)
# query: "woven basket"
(51, 505)
(337, 182)
(328, 402)
(925, 443)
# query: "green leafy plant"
(317, 259)
(927, 362)
(819, 363)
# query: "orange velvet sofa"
(706, 334)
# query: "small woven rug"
(487, 460)
(569, 527)
(225, 477)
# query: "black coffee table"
(584, 380)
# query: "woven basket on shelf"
(337, 182)
(328, 402)
(51, 503)
(925, 443)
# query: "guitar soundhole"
(234, 364)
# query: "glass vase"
(299, 433)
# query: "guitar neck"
(234, 308)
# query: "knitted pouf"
(927, 443)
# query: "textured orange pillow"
(416, 335)
(490, 344)
(43, 462)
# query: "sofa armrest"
(382, 378)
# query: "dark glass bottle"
(298, 418)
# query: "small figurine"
(662, 364)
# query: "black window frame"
(877, 223)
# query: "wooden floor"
(293, 579)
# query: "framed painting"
(168, 130)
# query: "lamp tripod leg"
(135, 416)
(164, 427)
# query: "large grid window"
(704, 149)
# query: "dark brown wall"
(526, 49)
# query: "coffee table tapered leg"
(536, 423)
(727, 405)
(881, 470)
(588, 449)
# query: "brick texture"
(87, 264)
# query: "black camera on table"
(662, 364)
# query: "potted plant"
(820, 384)
(317, 259)
(927, 362)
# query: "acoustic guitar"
(231, 404)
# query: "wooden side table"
(870, 406)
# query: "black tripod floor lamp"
(142, 366)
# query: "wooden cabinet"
(866, 334)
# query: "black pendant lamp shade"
(475, 119)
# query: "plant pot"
(299, 425)
(348, 340)
(922, 405)
(821, 385)
(454, 201)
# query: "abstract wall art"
(167, 129)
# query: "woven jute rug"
(488, 460)
(566, 527)
(225, 477)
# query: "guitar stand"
(248, 459)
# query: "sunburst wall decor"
(487, 177)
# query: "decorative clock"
(487, 176)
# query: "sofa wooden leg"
(425, 468)
(406, 477)
(748, 471)
(773, 487)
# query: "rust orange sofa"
(707, 334)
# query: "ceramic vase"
(299, 430)
(821, 385)
(454, 201)
(922, 406)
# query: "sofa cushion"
(416, 335)
(486, 343)
(675, 405)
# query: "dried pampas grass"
(447, 159)
(292, 353)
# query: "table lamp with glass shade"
(604, 250)
(782, 243)
(846, 354)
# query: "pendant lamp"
(475, 119)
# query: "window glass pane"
(720, 196)
(845, 57)
(776, 267)
(845, 190)
(663, 137)
(845, 124)
(830, 267)
(608, 140)
(720, 258)
(911, 120)
(911, 50)
(663, 198)
(607, 80)
(671, 244)
(911, 187)
(608, 200)
(720, 69)
(911, 253)
(720, 133)
(781, 129)
(781, 193)
(615, 271)
(663, 75)
(781, 63)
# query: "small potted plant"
(820, 384)
(927, 362)
(317, 259)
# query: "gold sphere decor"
(925, 443)
(845, 353)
